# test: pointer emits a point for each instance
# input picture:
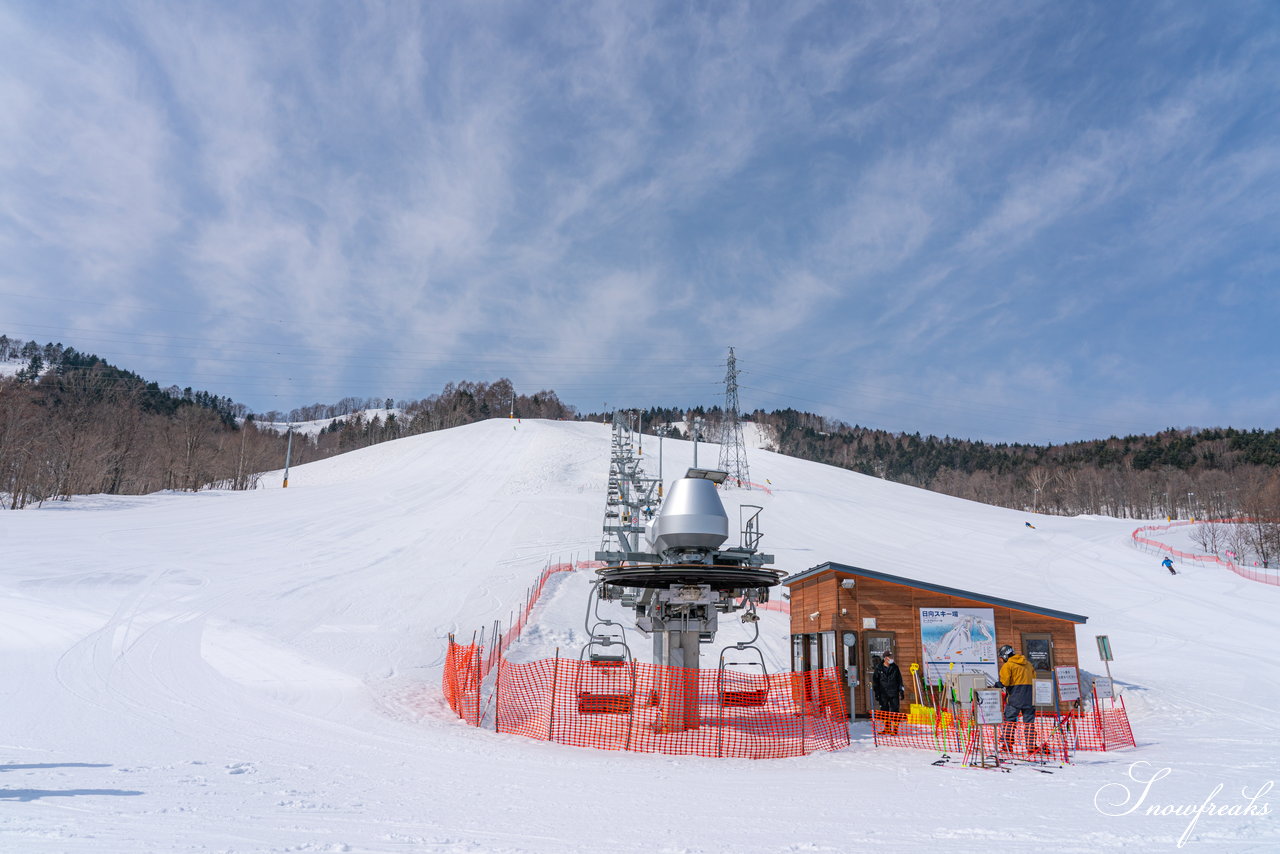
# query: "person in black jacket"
(889, 690)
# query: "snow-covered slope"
(312, 428)
(260, 671)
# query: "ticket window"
(797, 654)
(799, 664)
(827, 640)
(813, 654)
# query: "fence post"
(804, 726)
(497, 694)
(551, 721)
(631, 712)
(1097, 715)
(479, 677)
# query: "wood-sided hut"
(846, 618)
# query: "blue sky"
(1014, 222)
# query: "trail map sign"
(964, 637)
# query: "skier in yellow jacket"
(1017, 678)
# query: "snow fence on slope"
(616, 706)
(1265, 575)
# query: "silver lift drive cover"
(692, 517)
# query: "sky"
(1022, 221)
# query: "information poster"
(1044, 692)
(1039, 653)
(987, 706)
(1102, 688)
(1068, 684)
(959, 639)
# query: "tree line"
(70, 423)
(73, 424)
(1177, 473)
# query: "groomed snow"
(260, 671)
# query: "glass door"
(877, 644)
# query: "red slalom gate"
(617, 707)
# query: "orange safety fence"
(521, 619)
(1265, 575)
(649, 708)
(1088, 729)
(747, 484)
(467, 666)
(462, 679)
(620, 706)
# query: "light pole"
(288, 453)
(1035, 499)
(1190, 506)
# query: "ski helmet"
(1005, 651)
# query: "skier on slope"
(1167, 563)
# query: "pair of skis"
(1004, 765)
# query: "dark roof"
(937, 588)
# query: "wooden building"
(846, 617)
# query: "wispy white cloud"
(85, 163)
(886, 188)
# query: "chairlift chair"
(603, 694)
(752, 698)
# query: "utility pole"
(288, 453)
(733, 452)
(696, 433)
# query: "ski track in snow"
(260, 672)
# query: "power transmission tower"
(733, 451)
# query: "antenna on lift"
(733, 452)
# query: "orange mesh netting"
(653, 709)
(1093, 729)
(644, 707)
(462, 681)
(1266, 575)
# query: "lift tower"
(686, 579)
(733, 451)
